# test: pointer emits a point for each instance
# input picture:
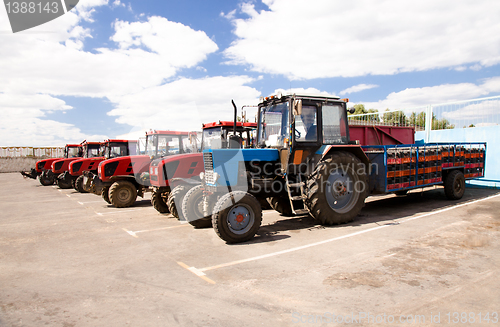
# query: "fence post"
(428, 123)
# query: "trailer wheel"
(454, 185)
(337, 189)
(122, 194)
(105, 194)
(175, 199)
(237, 217)
(46, 180)
(192, 208)
(158, 202)
(79, 184)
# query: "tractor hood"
(77, 167)
(45, 164)
(62, 165)
(185, 166)
(123, 166)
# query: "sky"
(115, 69)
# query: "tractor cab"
(73, 150)
(118, 148)
(91, 149)
(219, 135)
(167, 143)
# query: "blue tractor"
(303, 163)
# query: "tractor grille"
(77, 166)
(110, 168)
(58, 165)
(209, 168)
(41, 164)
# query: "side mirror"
(351, 110)
(297, 107)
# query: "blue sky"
(112, 68)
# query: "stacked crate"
(429, 165)
(401, 167)
(474, 161)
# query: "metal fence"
(461, 114)
(31, 152)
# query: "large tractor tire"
(282, 205)
(122, 194)
(79, 184)
(454, 185)
(237, 217)
(105, 194)
(46, 179)
(337, 190)
(158, 202)
(192, 208)
(175, 199)
(64, 184)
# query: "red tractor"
(43, 168)
(172, 177)
(84, 169)
(120, 180)
(60, 168)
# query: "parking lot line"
(82, 203)
(117, 211)
(196, 272)
(396, 222)
(134, 233)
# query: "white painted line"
(82, 203)
(232, 263)
(68, 195)
(134, 233)
(196, 272)
(118, 211)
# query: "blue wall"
(488, 134)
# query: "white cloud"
(325, 38)
(185, 103)
(416, 97)
(357, 88)
(49, 61)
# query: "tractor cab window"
(189, 144)
(212, 138)
(334, 124)
(73, 152)
(118, 150)
(306, 128)
(93, 150)
(273, 121)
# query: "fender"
(352, 148)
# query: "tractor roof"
(304, 95)
(229, 124)
(120, 141)
(166, 133)
(73, 145)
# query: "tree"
(397, 118)
(359, 109)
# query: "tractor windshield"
(212, 138)
(72, 152)
(120, 149)
(273, 122)
(93, 150)
(160, 145)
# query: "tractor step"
(296, 184)
(301, 211)
(295, 198)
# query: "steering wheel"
(297, 134)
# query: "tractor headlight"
(202, 176)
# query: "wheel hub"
(240, 219)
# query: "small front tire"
(122, 194)
(192, 208)
(158, 202)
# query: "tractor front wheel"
(237, 217)
(46, 179)
(64, 184)
(192, 208)
(158, 202)
(79, 184)
(105, 194)
(174, 200)
(337, 189)
(122, 194)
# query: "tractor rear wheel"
(79, 184)
(454, 185)
(158, 202)
(105, 194)
(337, 189)
(192, 208)
(122, 194)
(175, 198)
(237, 217)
